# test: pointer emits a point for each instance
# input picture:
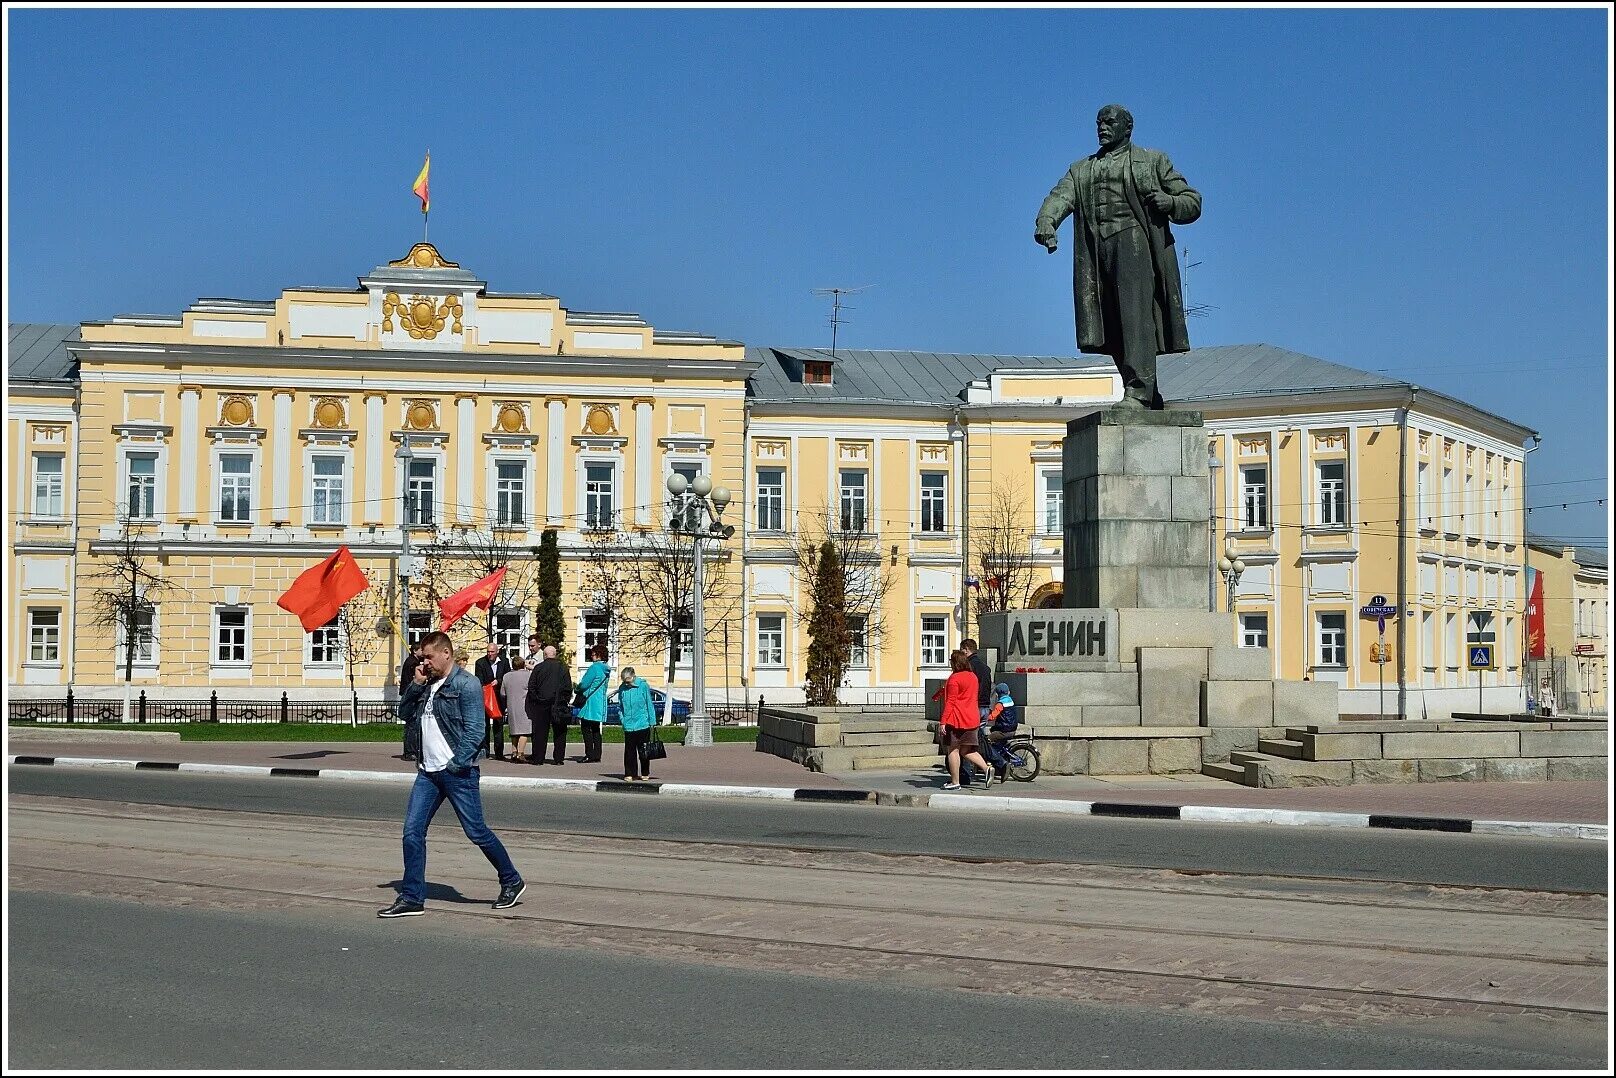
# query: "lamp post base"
(698, 731)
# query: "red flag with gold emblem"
(478, 596)
(319, 592)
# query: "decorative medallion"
(419, 317)
(329, 412)
(512, 417)
(236, 410)
(425, 256)
(599, 420)
(420, 414)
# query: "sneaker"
(987, 779)
(509, 896)
(402, 908)
(951, 785)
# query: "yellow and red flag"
(420, 188)
(319, 591)
(479, 595)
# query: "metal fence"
(146, 710)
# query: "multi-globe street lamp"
(697, 507)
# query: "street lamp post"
(1212, 466)
(1231, 567)
(697, 507)
(405, 455)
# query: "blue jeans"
(431, 789)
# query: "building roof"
(1588, 556)
(37, 352)
(898, 377)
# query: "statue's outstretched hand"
(1048, 240)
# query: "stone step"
(1227, 772)
(1294, 750)
(1243, 756)
(883, 726)
(897, 739)
(894, 763)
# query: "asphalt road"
(199, 988)
(1416, 857)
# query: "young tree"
(358, 640)
(462, 554)
(550, 623)
(1001, 550)
(122, 600)
(865, 577)
(828, 645)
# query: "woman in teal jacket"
(639, 715)
(592, 687)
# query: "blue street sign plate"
(1481, 657)
(1378, 607)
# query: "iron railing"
(143, 709)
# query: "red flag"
(319, 591)
(479, 595)
(1534, 614)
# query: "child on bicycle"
(1001, 722)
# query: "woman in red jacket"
(961, 718)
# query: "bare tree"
(123, 596)
(1001, 551)
(867, 578)
(359, 640)
(461, 554)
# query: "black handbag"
(579, 699)
(653, 749)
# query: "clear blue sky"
(1422, 192)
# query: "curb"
(969, 802)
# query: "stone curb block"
(1289, 817)
(1596, 831)
(696, 789)
(987, 803)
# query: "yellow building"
(236, 443)
(1574, 671)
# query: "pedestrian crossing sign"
(1481, 657)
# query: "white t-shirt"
(435, 750)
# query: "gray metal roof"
(1251, 370)
(1592, 557)
(37, 352)
(914, 377)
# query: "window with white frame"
(597, 631)
(1253, 630)
(1449, 506)
(510, 493)
(1332, 482)
(600, 495)
(1489, 511)
(1254, 497)
(1422, 493)
(771, 499)
(933, 501)
(235, 487)
(1053, 498)
(48, 485)
(1450, 633)
(142, 492)
(685, 513)
(421, 492)
(420, 625)
(145, 634)
(1332, 636)
(854, 499)
(508, 632)
(858, 641)
(230, 636)
(1428, 641)
(1511, 646)
(687, 640)
(45, 636)
(771, 640)
(327, 502)
(325, 645)
(934, 641)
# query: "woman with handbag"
(960, 721)
(591, 701)
(514, 688)
(639, 715)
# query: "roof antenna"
(1199, 310)
(836, 319)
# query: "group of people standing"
(971, 700)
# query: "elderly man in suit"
(1125, 283)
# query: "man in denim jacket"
(446, 702)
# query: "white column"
(555, 421)
(281, 472)
(188, 447)
(375, 442)
(642, 462)
(465, 455)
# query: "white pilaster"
(375, 442)
(642, 462)
(555, 422)
(281, 471)
(465, 455)
(188, 447)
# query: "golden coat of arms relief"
(420, 317)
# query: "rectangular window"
(508, 632)
(142, 502)
(1422, 493)
(934, 641)
(597, 631)
(421, 492)
(1333, 493)
(858, 642)
(510, 493)
(44, 636)
(325, 645)
(420, 625)
(1428, 640)
(1253, 630)
(854, 500)
(771, 499)
(1052, 503)
(1509, 659)
(933, 501)
(1332, 640)
(48, 484)
(687, 650)
(230, 636)
(327, 498)
(771, 640)
(1450, 629)
(145, 638)
(600, 495)
(235, 487)
(1254, 497)
(1447, 507)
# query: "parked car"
(614, 713)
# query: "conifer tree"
(828, 644)
(551, 624)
